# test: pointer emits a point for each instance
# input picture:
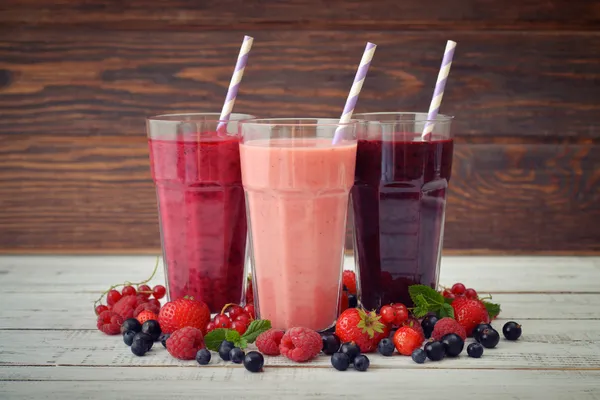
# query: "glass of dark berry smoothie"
(195, 164)
(399, 203)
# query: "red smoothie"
(399, 199)
(202, 216)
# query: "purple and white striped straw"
(359, 79)
(438, 92)
(234, 85)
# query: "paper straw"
(359, 79)
(234, 85)
(438, 92)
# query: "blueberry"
(479, 329)
(427, 324)
(163, 339)
(453, 344)
(386, 347)
(139, 348)
(340, 361)
(203, 356)
(152, 328)
(331, 344)
(475, 350)
(236, 355)
(352, 301)
(419, 356)
(351, 350)
(224, 350)
(254, 361)
(489, 338)
(435, 350)
(144, 338)
(131, 324)
(128, 337)
(361, 363)
(511, 330)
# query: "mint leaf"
(446, 310)
(419, 311)
(255, 328)
(213, 339)
(430, 295)
(492, 309)
(242, 343)
(448, 300)
(420, 301)
(232, 335)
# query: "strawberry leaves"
(427, 300)
(213, 339)
(492, 309)
(369, 323)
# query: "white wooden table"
(50, 348)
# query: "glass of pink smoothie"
(201, 205)
(297, 184)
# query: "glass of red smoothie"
(297, 185)
(201, 205)
(399, 203)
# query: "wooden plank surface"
(304, 14)
(98, 195)
(116, 383)
(509, 84)
(48, 344)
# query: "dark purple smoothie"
(399, 199)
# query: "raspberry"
(146, 306)
(185, 343)
(349, 279)
(300, 344)
(146, 315)
(268, 342)
(126, 306)
(448, 325)
(110, 323)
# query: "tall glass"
(297, 185)
(201, 205)
(399, 201)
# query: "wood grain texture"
(304, 14)
(98, 194)
(510, 84)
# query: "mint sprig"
(213, 339)
(427, 300)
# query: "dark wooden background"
(78, 77)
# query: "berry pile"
(234, 317)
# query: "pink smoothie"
(297, 194)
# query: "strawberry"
(184, 312)
(415, 325)
(361, 327)
(344, 302)
(349, 279)
(407, 340)
(469, 313)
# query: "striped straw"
(359, 79)
(234, 85)
(438, 93)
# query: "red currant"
(401, 313)
(458, 289)
(112, 297)
(159, 292)
(448, 294)
(100, 309)
(210, 327)
(239, 326)
(471, 294)
(222, 321)
(244, 318)
(155, 302)
(128, 291)
(144, 291)
(388, 314)
(235, 311)
(249, 308)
